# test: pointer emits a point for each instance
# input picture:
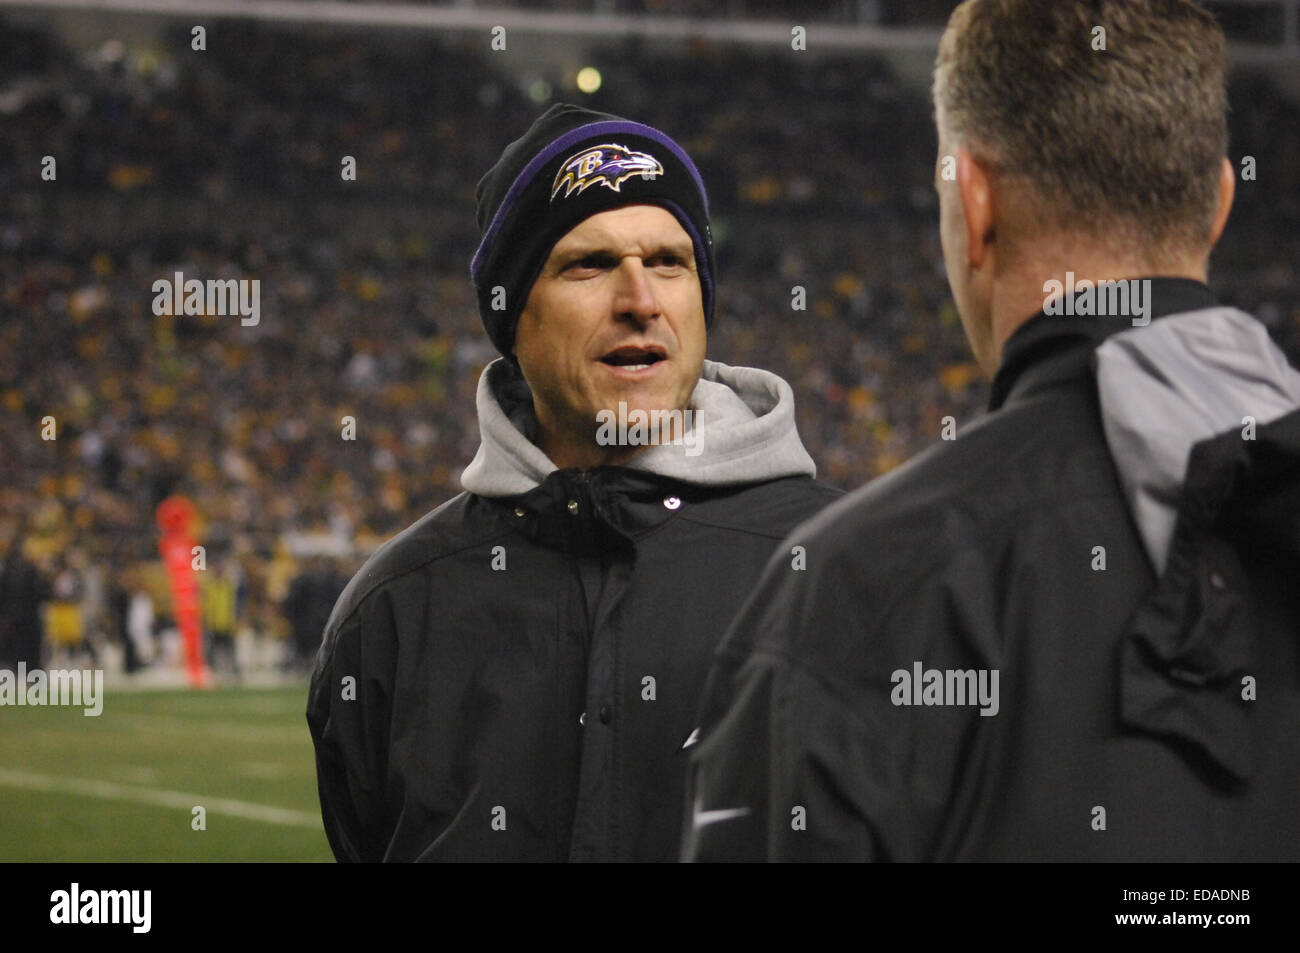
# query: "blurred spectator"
(140, 629)
(22, 592)
(119, 611)
(221, 592)
(311, 597)
(65, 620)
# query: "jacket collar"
(590, 511)
(1049, 348)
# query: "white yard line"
(173, 799)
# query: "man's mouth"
(635, 358)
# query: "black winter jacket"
(1147, 696)
(516, 677)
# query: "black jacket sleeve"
(779, 769)
(767, 782)
(804, 753)
(347, 713)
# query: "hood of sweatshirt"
(1199, 410)
(742, 430)
(1174, 383)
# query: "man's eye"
(667, 261)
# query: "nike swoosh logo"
(693, 737)
(705, 818)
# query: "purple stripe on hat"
(706, 279)
(567, 141)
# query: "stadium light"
(589, 79)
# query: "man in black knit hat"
(515, 676)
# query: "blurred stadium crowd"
(226, 163)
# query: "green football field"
(123, 786)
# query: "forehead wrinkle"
(591, 237)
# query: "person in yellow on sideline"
(220, 594)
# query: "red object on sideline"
(176, 516)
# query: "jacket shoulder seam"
(406, 569)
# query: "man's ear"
(1227, 191)
(975, 183)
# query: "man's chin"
(636, 421)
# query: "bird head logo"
(608, 164)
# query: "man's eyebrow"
(679, 249)
(578, 252)
(574, 252)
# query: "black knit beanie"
(571, 164)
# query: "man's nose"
(634, 294)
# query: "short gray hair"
(1127, 140)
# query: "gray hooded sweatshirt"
(744, 432)
(1173, 383)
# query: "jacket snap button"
(582, 719)
(672, 502)
(1217, 580)
(573, 507)
(519, 511)
(605, 714)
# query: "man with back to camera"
(1071, 633)
(516, 675)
